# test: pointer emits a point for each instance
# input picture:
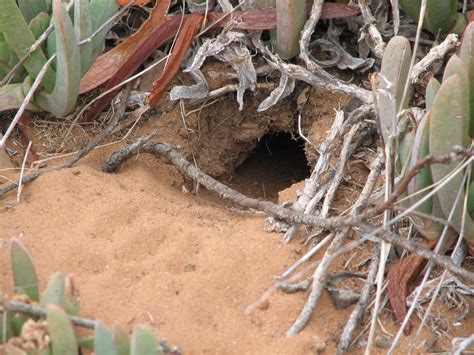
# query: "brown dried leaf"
(190, 27)
(111, 62)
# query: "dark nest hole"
(277, 162)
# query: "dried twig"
(22, 171)
(324, 81)
(27, 100)
(119, 113)
(435, 54)
(326, 150)
(320, 278)
(357, 313)
(376, 42)
(308, 30)
(38, 311)
(361, 307)
(332, 223)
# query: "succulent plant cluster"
(54, 334)
(442, 17)
(448, 122)
(23, 22)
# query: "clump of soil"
(143, 250)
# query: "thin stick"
(445, 272)
(439, 247)
(38, 311)
(415, 50)
(139, 74)
(306, 257)
(22, 171)
(48, 31)
(305, 39)
(169, 152)
(435, 54)
(27, 100)
(326, 150)
(346, 151)
(361, 307)
(81, 153)
(320, 278)
(376, 44)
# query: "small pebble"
(383, 341)
(319, 345)
(264, 305)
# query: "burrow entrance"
(259, 153)
(277, 162)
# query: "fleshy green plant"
(23, 22)
(441, 16)
(448, 122)
(291, 17)
(54, 334)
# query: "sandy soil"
(145, 252)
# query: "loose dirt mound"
(144, 251)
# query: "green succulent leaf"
(405, 148)
(431, 91)
(54, 292)
(394, 72)
(455, 66)
(104, 340)
(63, 339)
(11, 96)
(121, 340)
(447, 129)
(40, 24)
(31, 8)
(441, 16)
(263, 4)
(24, 272)
(16, 322)
(423, 179)
(101, 10)
(83, 29)
(7, 332)
(62, 100)
(470, 199)
(467, 56)
(291, 17)
(86, 343)
(5, 52)
(71, 298)
(19, 38)
(143, 342)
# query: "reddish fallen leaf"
(149, 39)
(403, 273)
(135, 2)
(190, 28)
(400, 275)
(109, 63)
(266, 19)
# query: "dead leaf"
(135, 54)
(189, 29)
(400, 275)
(135, 2)
(106, 65)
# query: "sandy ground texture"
(145, 251)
